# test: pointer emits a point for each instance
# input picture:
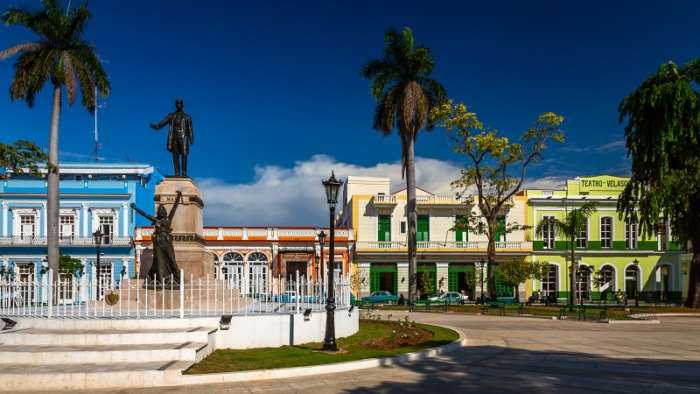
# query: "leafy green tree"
(663, 140)
(69, 265)
(427, 285)
(21, 156)
(570, 227)
(514, 272)
(62, 57)
(405, 93)
(497, 169)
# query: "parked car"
(451, 297)
(381, 297)
(291, 297)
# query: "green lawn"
(308, 354)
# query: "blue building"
(93, 196)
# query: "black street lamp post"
(481, 278)
(636, 282)
(97, 237)
(319, 267)
(332, 186)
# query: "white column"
(83, 281)
(43, 222)
(442, 272)
(5, 212)
(125, 220)
(402, 278)
(84, 216)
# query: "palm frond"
(24, 47)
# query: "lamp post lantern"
(319, 268)
(331, 186)
(636, 282)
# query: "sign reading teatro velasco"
(604, 183)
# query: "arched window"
(583, 283)
(232, 269)
(257, 272)
(607, 282)
(550, 282)
(631, 281)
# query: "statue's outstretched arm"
(143, 213)
(177, 202)
(162, 123)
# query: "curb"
(282, 373)
(674, 314)
(630, 321)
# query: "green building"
(611, 254)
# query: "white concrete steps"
(38, 336)
(89, 376)
(95, 354)
(50, 355)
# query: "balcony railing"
(65, 241)
(443, 245)
(438, 200)
(384, 199)
(423, 200)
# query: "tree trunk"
(491, 258)
(573, 296)
(411, 216)
(52, 204)
(693, 298)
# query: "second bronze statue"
(180, 136)
(164, 270)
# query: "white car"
(451, 297)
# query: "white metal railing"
(437, 199)
(384, 198)
(442, 245)
(70, 241)
(70, 297)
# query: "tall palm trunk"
(52, 204)
(412, 216)
(573, 296)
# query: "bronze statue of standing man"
(180, 136)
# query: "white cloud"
(294, 196)
(611, 146)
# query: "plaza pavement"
(520, 355)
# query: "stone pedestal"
(188, 241)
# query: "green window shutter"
(423, 230)
(460, 234)
(384, 228)
(501, 229)
(452, 281)
(373, 281)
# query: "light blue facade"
(93, 195)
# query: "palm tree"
(405, 93)
(63, 57)
(573, 224)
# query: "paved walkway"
(520, 355)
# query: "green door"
(461, 277)
(384, 228)
(383, 277)
(460, 234)
(423, 230)
(427, 279)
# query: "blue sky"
(272, 85)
